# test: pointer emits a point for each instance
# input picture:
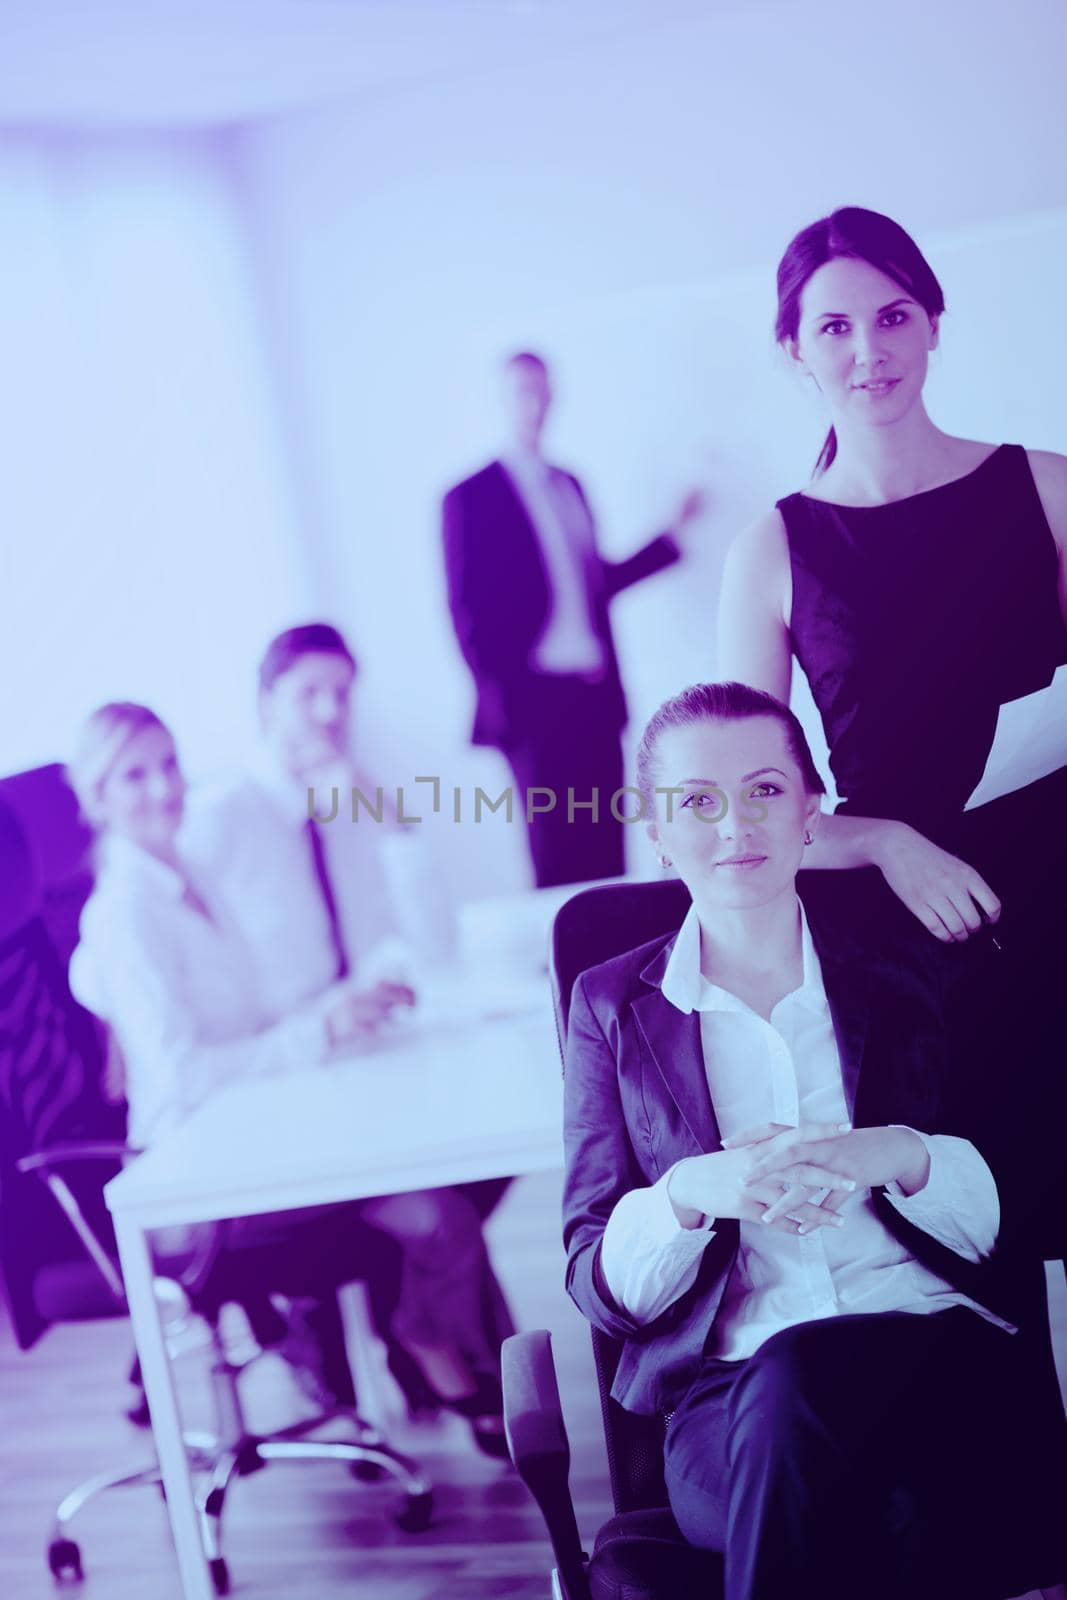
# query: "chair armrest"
(42, 1164)
(190, 1273)
(59, 1154)
(537, 1442)
(533, 1413)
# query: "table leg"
(378, 1395)
(166, 1423)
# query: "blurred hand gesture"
(690, 510)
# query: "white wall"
(147, 519)
(623, 211)
(244, 368)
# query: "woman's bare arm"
(754, 647)
(1050, 479)
(753, 641)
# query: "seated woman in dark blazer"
(784, 1198)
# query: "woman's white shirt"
(179, 990)
(788, 1070)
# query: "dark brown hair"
(721, 702)
(310, 638)
(859, 235)
(527, 358)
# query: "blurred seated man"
(314, 903)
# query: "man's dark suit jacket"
(637, 1101)
(499, 594)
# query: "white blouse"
(788, 1070)
(179, 990)
(248, 840)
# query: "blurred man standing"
(529, 595)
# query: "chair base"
(63, 1554)
(217, 1461)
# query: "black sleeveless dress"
(914, 622)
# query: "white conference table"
(454, 1096)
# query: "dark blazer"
(498, 591)
(637, 1101)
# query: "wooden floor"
(292, 1532)
(303, 1533)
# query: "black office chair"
(58, 1148)
(639, 1554)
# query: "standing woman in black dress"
(921, 582)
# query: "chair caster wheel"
(65, 1560)
(367, 1471)
(417, 1511)
(220, 1574)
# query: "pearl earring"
(809, 837)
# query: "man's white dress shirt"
(248, 839)
(568, 641)
(180, 992)
(788, 1070)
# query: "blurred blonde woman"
(159, 962)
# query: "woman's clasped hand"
(795, 1179)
